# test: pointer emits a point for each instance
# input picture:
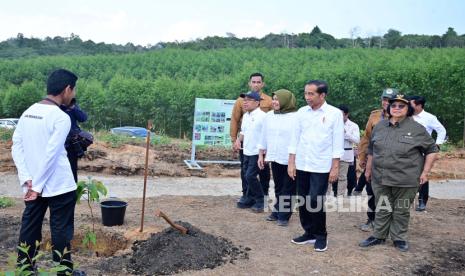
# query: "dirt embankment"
(168, 160)
(163, 160)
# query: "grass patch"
(6, 202)
(117, 141)
(6, 134)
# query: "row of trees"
(162, 85)
(74, 45)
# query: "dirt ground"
(437, 237)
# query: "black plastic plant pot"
(113, 212)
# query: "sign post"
(211, 128)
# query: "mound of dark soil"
(171, 252)
(448, 258)
(9, 234)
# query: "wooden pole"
(149, 127)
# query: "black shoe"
(304, 239)
(367, 227)
(321, 245)
(282, 223)
(371, 241)
(244, 203)
(272, 217)
(75, 272)
(257, 208)
(401, 245)
(421, 207)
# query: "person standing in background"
(351, 138)
(72, 143)
(275, 138)
(430, 122)
(256, 83)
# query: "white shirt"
(430, 122)
(39, 153)
(351, 137)
(318, 138)
(276, 136)
(251, 128)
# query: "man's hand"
(423, 178)
(31, 195)
(362, 164)
(368, 175)
(333, 174)
(261, 162)
(291, 171)
(237, 145)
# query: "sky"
(147, 22)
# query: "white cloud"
(184, 31)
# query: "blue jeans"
(254, 188)
(263, 175)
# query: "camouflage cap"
(389, 93)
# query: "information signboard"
(212, 118)
(211, 122)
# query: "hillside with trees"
(21, 46)
(129, 89)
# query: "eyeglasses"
(399, 106)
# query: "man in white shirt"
(44, 170)
(351, 137)
(250, 135)
(430, 122)
(317, 144)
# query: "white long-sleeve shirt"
(430, 122)
(276, 136)
(251, 128)
(39, 153)
(318, 137)
(351, 137)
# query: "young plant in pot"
(91, 190)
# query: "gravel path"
(132, 187)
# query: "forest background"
(130, 84)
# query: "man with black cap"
(375, 117)
(249, 136)
(256, 83)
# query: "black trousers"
(61, 226)
(263, 175)
(352, 177)
(312, 187)
(362, 182)
(284, 190)
(73, 161)
(423, 193)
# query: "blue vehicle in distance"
(130, 131)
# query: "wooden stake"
(149, 127)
